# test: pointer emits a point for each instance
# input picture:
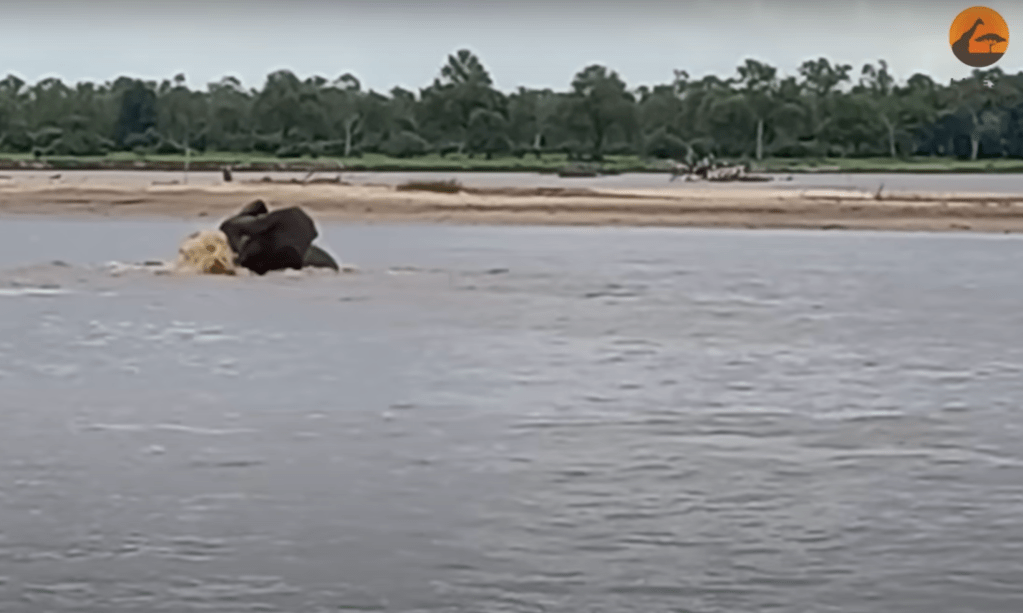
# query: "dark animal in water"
(319, 258)
(227, 174)
(266, 240)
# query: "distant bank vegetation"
(827, 111)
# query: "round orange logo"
(979, 37)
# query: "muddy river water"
(513, 419)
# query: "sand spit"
(702, 206)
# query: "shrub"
(519, 150)
(792, 149)
(663, 145)
(267, 143)
(80, 143)
(405, 145)
(293, 151)
(572, 148)
(199, 142)
(447, 148)
(447, 187)
(149, 138)
(490, 144)
(370, 143)
(236, 142)
(46, 136)
(703, 146)
(16, 140)
(169, 147)
(621, 148)
(335, 148)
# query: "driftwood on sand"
(709, 170)
(308, 180)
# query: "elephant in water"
(266, 240)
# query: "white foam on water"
(32, 291)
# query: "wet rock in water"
(206, 252)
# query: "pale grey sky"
(536, 43)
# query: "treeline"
(827, 110)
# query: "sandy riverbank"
(731, 206)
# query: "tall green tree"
(821, 82)
(464, 86)
(137, 110)
(532, 115)
(598, 102)
(277, 107)
(757, 104)
(877, 94)
(229, 108)
(345, 104)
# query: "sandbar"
(708, 206)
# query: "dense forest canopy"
(829, 110)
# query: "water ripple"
(164, 427)
(783, 422)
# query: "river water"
(514, 419)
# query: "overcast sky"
(535, 43)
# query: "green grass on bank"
(379, 162)
(529, 163)
(375, 162)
